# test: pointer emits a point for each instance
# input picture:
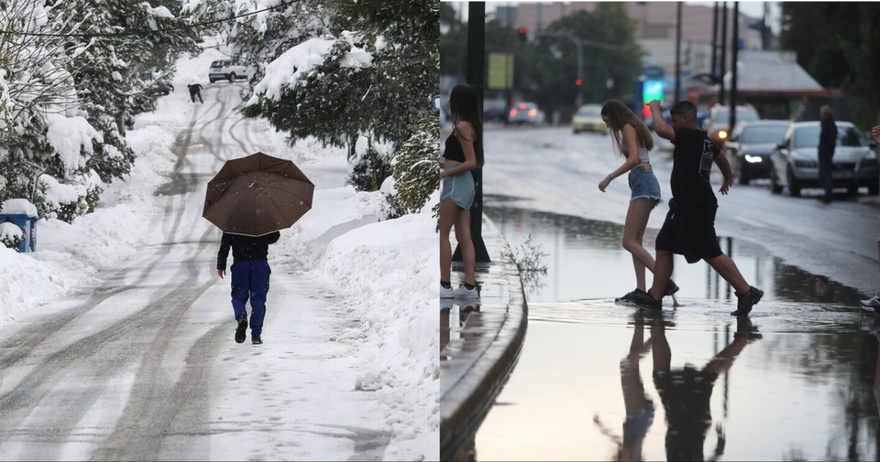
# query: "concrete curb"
(480, 364)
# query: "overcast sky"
(750, 8)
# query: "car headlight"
(753, 159)
(722, 134)
(805, 163)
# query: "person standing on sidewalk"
(633, 141)
(250, 279)
(195, 90)
(827, 142)
(689, 228)
(463, 153)
(874, 302)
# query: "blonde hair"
(618, 115)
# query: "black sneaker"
(626, 298)
(241, 330)
(746, 301)
(745, 329)
(255, 338)
(671, 288)
(645, 300)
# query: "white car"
(225, 69)
(525, 113)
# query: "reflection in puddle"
(597, 381)
(586, 260)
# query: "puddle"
(585, 260)
(598, 381)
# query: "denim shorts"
(644, 185)
(460, 188)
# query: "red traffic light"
(579, 82)
(523, 33)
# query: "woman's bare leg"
(448, 215)
(633, 232)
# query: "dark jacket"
(827, 137)
(245, 247)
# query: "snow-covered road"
(141, 363)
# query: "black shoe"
(256, 339)
(645, 300)
(241, 330)
(626, 298)
(746, 301)
(671, 288)
(745, 329)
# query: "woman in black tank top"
(463, 153)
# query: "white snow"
(299, 61)
(380, 273)
(22, 206)
(69, 136)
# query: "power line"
(124, 34)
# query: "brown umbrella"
(257, 194)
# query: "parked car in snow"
(226, 69)
(796, 160)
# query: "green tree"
(610, 52)
(838, 43)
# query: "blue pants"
(250, 279)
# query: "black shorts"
(690, 231)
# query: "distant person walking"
(250, 279)
(827, 142)
(195, 90)
(874, 302)
(463, 153)
(689, 228)
(633, 141)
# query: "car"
(588, 118)
(154, 84)
(525, 113)
(795, 160)
(226, 69)
(718, 122)
(749, 146)
(494, 111)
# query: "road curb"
(480, 365)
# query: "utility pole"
(476, 76)
(735, 58)
(723, 52)
(677, 53)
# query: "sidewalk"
(480, 343)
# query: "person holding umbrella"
(250, 200)
(250, 279)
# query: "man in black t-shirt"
(689, 228)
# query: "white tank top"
(643, 154)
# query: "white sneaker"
(463, 292)
(446, 292)
(872, 302)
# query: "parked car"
(225, 69)
(796, 160)
(588, 118)
(749, 146)
(525, 113)
(718, 122)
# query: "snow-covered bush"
(11, 235)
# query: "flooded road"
(598, 381)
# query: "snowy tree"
(66, 83)
(337, 70)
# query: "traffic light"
(523, 34)
(578, 82)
